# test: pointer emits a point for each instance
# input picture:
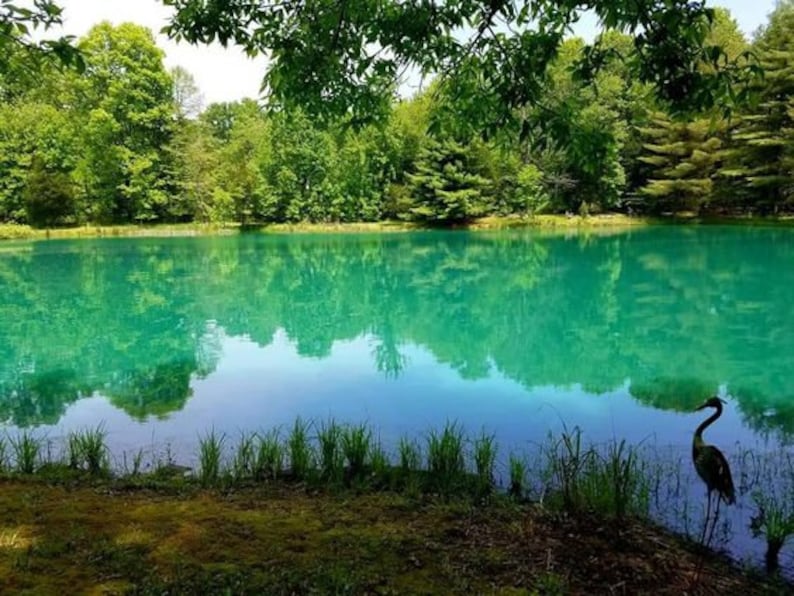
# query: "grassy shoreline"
(105, 538)
(333, 509)
(545, 222)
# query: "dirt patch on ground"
(58, 540)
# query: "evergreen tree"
(446, 187)
(684, 158)
(760, 159)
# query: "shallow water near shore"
(518, 332)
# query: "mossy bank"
(112, 539)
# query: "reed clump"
(270, 456)
(332, 457)
(244, 461)
(301, 454)
(88, 451)
(613, 481)
(210, 458)
(27, 452)
(774, 501)
(356, 447)
(446, 458)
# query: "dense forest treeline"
(126, 140)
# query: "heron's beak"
(701, 407)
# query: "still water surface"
(622, 334)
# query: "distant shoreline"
(555, 222)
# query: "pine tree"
(684, 161)
(760, 163)
(684, 158)
(446, 187)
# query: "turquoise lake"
(620, 333)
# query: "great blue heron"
(711, 465)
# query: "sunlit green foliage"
(126, 140)
(125, 103)
(37, 141)
(344, 59)
(18, 23)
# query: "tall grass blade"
(379, 464)
(517, 468)
(332, 459)
(485, 451)
(300, 450)
(88, 451)
(269, 462)
(357, 445)
(445, 458)
(27, 452)
(210, 458)
(244, 458)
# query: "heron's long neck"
(698, 438)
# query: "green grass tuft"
(270, 453)
(244, 458)
(380, 466)
(357, 445)
(614, 483)
(332, 459)
(517, 468)
(300, 451)
(566, 460)
(88, 451)
(774, 520)
(410, 456)
(445, 458)
(485, 451)
(27, 452)
(137, 464)
(210, 458)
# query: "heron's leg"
(716, 519)
(708, 517)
